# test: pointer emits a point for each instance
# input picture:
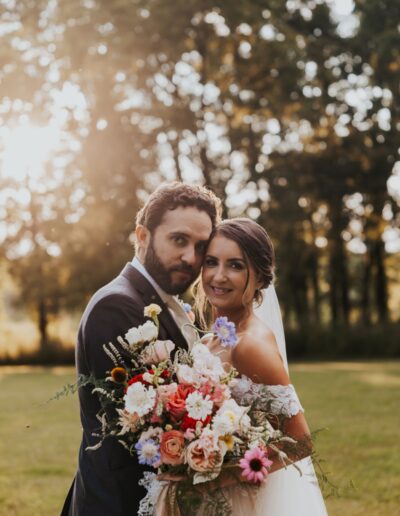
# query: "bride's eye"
(210, 262)
(237, 266)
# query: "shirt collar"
(137, 264)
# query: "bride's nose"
(220, 274)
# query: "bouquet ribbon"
(167, 503)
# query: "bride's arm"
(259, 359)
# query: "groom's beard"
(163, 276)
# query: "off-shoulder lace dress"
(287, 492)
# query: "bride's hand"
(170, 477)
(229, 478)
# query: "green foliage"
(351, 342)
(260, 103)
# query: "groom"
(172, 232)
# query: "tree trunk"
(175, 150)
(43, 322)
(315, 287)
(381, 293)
(333, 286)
(344, 282)
(365, 298)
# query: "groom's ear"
(142, 235)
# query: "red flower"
(137, 378)
(188, 422)
(176, 403)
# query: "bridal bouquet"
(184, 416)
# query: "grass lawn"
(357, 402)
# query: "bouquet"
(183, 416)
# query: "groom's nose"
(189, 255)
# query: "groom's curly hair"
(169, 196)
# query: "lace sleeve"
(283, 400)
(280, 399)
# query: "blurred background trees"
(289, 111)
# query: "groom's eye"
(179, 240)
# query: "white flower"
(152, 310)
(230, 418)
(139, 399)
(153, 432)
(225, 423)
(148, 377)
(149, 331)
(188, 376)
(199, 350)
(128, 421)
(197, 406)
(133, 336)
(208, 365)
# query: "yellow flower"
(228, 440)
(152, 310)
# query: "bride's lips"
(219, 291)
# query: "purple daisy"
(187, 307)
(148, 452)
(225, 331)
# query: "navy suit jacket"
(106, 482)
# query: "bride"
(237, 277)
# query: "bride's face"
(228, 282)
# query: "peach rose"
(176, 403)
(171, 447)
(158, 351)
(203, 460)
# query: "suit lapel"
(149, 295)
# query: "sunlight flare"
(26, 150)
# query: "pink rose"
(218, 393)
(157, 352)
(171, 447)
(203, 460)
(165, 391)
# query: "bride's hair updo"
(255, 245)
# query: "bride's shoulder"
(257, 356)
(257, 338)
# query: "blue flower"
(148, 452)
(225, 331)
(187, 307)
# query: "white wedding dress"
(286, 491)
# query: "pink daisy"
(255, 465)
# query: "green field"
(357, 402)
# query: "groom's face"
(176, 248)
